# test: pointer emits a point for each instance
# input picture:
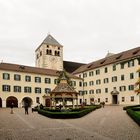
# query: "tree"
(137, 84)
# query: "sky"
(87, 29)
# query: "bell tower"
(49, 54)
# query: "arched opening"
(0, 102)
(27, 100)
(11, 100)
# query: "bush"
(129, 107)
(134, 115)
(75, 113)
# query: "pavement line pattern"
(26, 122)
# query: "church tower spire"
(50, 54)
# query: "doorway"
(27, 100)
(114, 99)
(0, 102)
(11, 100)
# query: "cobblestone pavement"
(109, 123)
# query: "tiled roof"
(110, 60)
(71, 66)
(29, 69)
(63, 88)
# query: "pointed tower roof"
(51, 41)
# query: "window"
(40, 53)
(114, 79)
(122, 66)
(98, 82)
(98, 91)
(97, 72)
(85, 84)
(38, 79)
(91, 91)
(38, 100)
(17, 89)
(49, 52)
(106, 70)
(84, 75)
(98, 100)
(114, 67)
(122, 77)
(80, 92)
(131, 63)
(73, 83)
(106, 80)
(37, 90)
(47, 80)
(122, 88)
(27, 89)
(80, 84)
(28, 78)
(132, 98)
(106, 100)
(123, 99)
(131, 87)
(55, 81)
(91, 73)
(6, 76)
(91, 83)
(85, 92)
(6, 88)
(106, 90)
(17, 77)
(131, 75)
(47, 90)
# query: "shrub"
(129, 107)
(75, 113)
(134, 115)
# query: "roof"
(29, 69)
(129, 54)
(50, 40)
(71, 66)
(63, 88)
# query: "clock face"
(53, 59)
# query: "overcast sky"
(87, 29)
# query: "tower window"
(47, 46)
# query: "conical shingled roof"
(63, 88)
(51, 41)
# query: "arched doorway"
(11, 100)
(27, 100)
(115, 94)
(0, 102)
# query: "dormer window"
(135, 52)
(102, 62)
(118, 57)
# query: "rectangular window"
(97, 72)
(114, 67)
(85, 84)
(6, 88)
(84, 75)
(80, 84)
(48, 80)
(98, 91)
(123, 99)
(131, 63)
(17, 89)
(6, 76)
(106, 100)
(114, 79)
(122, 77)
(80, 92)
(106, 80)
(106, 70)
(47, 90)
(38, 79)
(91, 91)
(98, 82)
(28, 78)
(98, 100)
(132, 98)
(17, 77)
(55, 81)
(131, 87)
(27, 89)
(85, 92)
(122, 88)
(91, 83)
(122, 66)
(91, 73)
(73, 83)
(106, 90)
(37, 90)
(131, 75)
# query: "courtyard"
(109, 123)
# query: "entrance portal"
(0, 102)
(27, 100)
(48, 102)
(114, 99)
(11, 100)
